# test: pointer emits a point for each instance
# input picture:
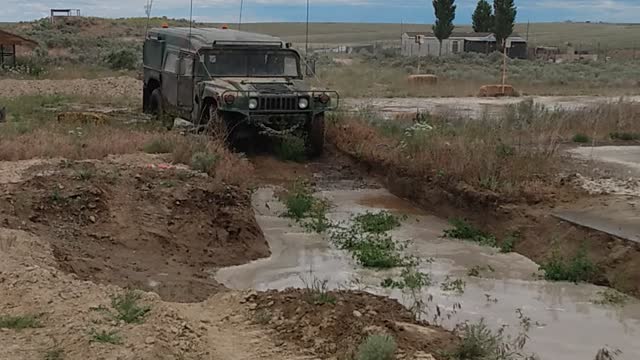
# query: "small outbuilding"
(426, 44)
(8, 44)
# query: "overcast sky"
(393, 11)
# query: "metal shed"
(8, 44)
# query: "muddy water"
(567, 325)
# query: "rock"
(270, 303)
(253, 306)
(182, 124)
(149, 340)
(92, 219)
(357, 313)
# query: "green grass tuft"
(204, 162)
(128, 309)
(576, 269)
(581, 138)
(159, 146)
(465, 231)
(379, 222)
(377, 347)
(291, 148)
(106, 337)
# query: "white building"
(426, 44)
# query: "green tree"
(483, 17)
(505, 16)
(445, 11)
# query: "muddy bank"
(540, 234)
(157, 229)
(335, 329)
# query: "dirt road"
(472, 107)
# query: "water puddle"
(567, 325)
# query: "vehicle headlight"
(253, 104)
(303, 103)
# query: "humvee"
(233, 83)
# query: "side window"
(171, 63)
(186, 66)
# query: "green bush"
(465, 231)
(204, 161)
(625, 136)
(299, 201)
(291, 148)
(123, 59)
(107, 337)
(377, 222)
(581, 138)
(377, 347)
(576, 269)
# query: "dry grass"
(33, 132)
(513, 158)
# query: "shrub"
(19, 322)
(204, 162)
(317, 291)
(128, 309)
(291, 148)
(576, 269)
(581, 138)
(159, 146)
(123, 59)
(377, 347)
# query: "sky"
(383, 11)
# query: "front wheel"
(213, 121)
(315, 136)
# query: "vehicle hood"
(260, 85)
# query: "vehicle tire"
(214, 122)
(155, 104)
(315, 136)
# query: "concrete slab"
(627, 156)
(617, 216)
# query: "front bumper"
(279, 104)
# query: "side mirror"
(310, 67)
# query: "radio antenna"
(147, 10)
(306, 44)
(240, 17)
(190, 22)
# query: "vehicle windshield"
(251, 63)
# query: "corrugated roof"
(7, 38)
(204, 37)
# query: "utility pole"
(240, 17)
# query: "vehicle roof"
(205, 37)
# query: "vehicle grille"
(278, 103)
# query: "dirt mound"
(335, 329)
(156, 229)
(125, 87)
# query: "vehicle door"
(170, 78)
(185, 82)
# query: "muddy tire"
(315, 136)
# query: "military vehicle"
(236, 84)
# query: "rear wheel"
(156, 108)
(315, 136)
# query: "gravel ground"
(122, 86)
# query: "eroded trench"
(566, 322)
